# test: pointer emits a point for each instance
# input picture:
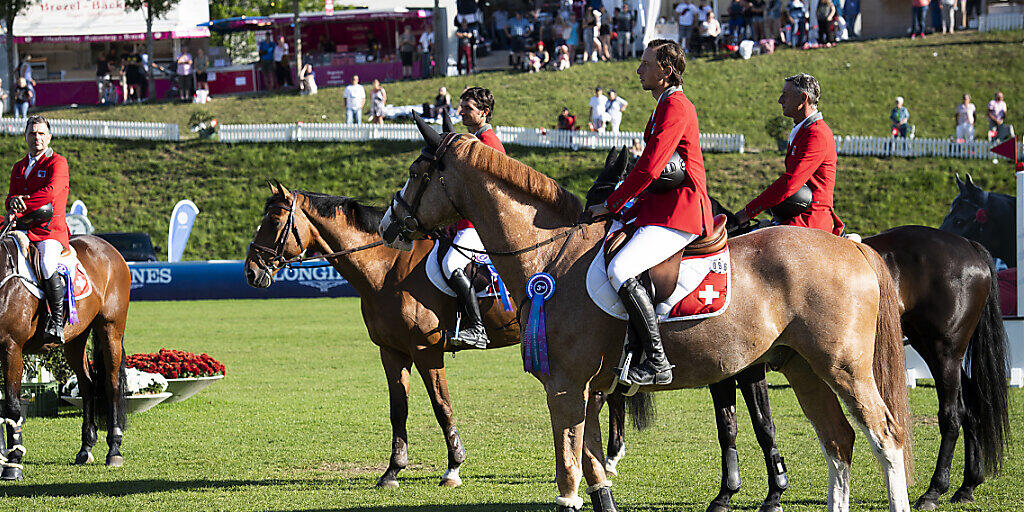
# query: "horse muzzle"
(258, 278)
(393, 233)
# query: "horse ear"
(620, 162)
(970, 182)
(273, 190)
(284, 192)
(613, 155)
(959, 184)
(446, 123)
(432, 138)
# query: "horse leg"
(947, 384)
(974, 466)
(430, 364)
(12, 419)
(723, 394)
(108, 347)
(74, 354)
(593, 469)
(567, 405)
(396, 369)
(835, 434)
(616, 430)
(755, 392)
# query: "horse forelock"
(482, 157)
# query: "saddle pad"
(436, 275)
(81, 283)
(702, 289)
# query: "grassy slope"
(859, 82)
(301, 423)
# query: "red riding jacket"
(811, 158)
(47, 182)
(672, 127)
(487, 136)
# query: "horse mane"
(366, 218)
(520, 176)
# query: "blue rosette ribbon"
(69, 294)
(539, 288)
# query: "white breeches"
(459, 258)
(649, 246)
(49, 255)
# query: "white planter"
(136, 403)
(183, 389)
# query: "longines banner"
(226, 280)
(101, 20)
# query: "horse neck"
(364, 270)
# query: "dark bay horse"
(814, 317)
(103, 314)
(405, 315)
(988, 218)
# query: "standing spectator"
(948, 15)
(500, 19)
(736, 22)
(566, 121)
(442, 102)
(616, 106)
(22, 97)
(773, 19)
(574, 37)
(378, 98)
(562, 59)
(202, 69)
(266, 49)
(851, 14)
(826, 23)
(709, 32)
(687, 14)
(591, 28)
(3, 98)
(964, 120)
(406, 49)
(518, 29)
(756, 18)
(598, 110)
(798, 13)
(624, 23)
(900, 117)
(102, 77)
(307, 78)
(355, 97)
(997, 128)
(465, 35)
(605, 36)
(184, 73)
(426, 45)
(25, 71)
(918, 9)
(282, 64)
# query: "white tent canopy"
(64, 18)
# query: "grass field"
(859, 82)
(300, 423)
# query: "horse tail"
(890, 363)
(101, 386)
(984, 383)
(641, 410)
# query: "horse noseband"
(410, 224)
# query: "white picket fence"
(532, 137)
(98, 129)
(1013, 20)
(887, 146)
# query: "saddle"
(661, 279)
(478, 273)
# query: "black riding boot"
(471, 332)
(54, 330)
(655, 369)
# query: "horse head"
(284, 233)
(968, 213)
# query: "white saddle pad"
(700, 279)
(436, 275)
(26, 273)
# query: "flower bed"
(176, 364)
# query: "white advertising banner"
(69, 20)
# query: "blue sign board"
(194, 280)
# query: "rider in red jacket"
(666, 221)
(475, 107)
(810, 160)
(39, 179)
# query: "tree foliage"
(10, 9)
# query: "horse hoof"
(115, 461)
(770, 508)
(387, 483)
(84, 457)
(962, 496)
(927, 503)
(718, 507)
(11, 473)
(451, 482)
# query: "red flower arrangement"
(176, 364)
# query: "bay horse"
(988, 218)
(406, 316)
(812, 304)
(103, 314)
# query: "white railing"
(98, 129)
(887, 146)
(532, 137)
(1013, 20)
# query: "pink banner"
(110, 38)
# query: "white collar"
(482, 129)
(809, 120)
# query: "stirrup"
(662, 377)
(468, 338)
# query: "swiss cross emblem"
(41, 173)
(708, 295)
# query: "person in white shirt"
(598, 110)
(25, 70)
(964, 118)
(997, 118)
(687, 14)
(282, 67)
(710, 29)
(615, 107)
(355, 97)
(426, 44)
(184, 72)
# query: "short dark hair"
(482, 97)
(34, 120)
(808, 85)
(670, 56)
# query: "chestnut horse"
(103, 314)
(405, 315)
(807, 302)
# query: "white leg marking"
(452, 475)
(838, 483)
(611, 462)
(891, 460)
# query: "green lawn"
(300, 423)
(858, 80)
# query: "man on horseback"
(476, 107)
(810, 160)
(39, 179)
(667, 221)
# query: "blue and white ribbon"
(539, 288)
(69, 294)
